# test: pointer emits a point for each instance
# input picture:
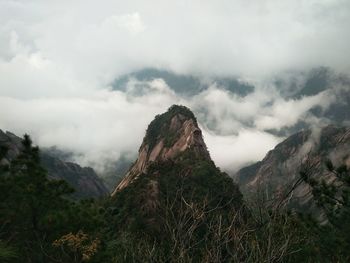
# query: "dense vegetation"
(185, 211)
(35, 211)
(333, 197)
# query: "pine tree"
(32, 207)
(333, 196)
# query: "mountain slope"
(280, 169)
(83, 179)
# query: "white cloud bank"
(58, 58)
(67, 47)
(101, 127)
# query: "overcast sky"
(59, 58)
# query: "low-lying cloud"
(58, 60)
(105, 125)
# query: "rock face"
(173, 172)
(167, 136)
(280, 168)
(11, 147)
(83, 179)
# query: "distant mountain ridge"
(294, 85)
(281, 167)
(83, 179)
(184, 85)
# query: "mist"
(59, 60)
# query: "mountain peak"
(168, 136)
(165, 124)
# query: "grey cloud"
(102, 127)
(92, 43)
(243, 64)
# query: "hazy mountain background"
(87, 78)
(241, 121)
(83, 180)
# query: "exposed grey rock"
(276, 174)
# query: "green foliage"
(179, 211)
(331, 241)
(200, 180)
(201, 217)
(140, 213)
(3, 151)
(35, 211)
(199, 224)
(7, 253)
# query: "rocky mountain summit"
(278, 172)
(173, 172)
(83, 179)
(167, 136)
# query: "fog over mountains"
(241, 120)
(88, 77)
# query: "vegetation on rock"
(159, 127)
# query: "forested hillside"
(178, 208)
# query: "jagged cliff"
(83, 179)
(167, 136)
(276, 174)
(173, 171)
